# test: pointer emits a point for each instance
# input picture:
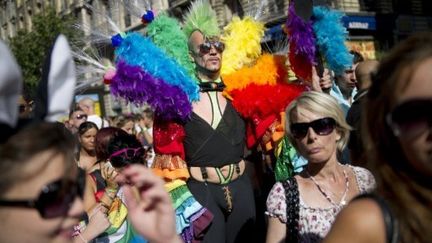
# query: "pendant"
(343, 203)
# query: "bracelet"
(111, 193)
(82, 237)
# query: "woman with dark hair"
(86, 137)
(103, 190)
(40, 196)
(398, 142)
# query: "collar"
(207, 86)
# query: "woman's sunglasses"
(54, 200)
(205, 47)
(322, 127)
(411, 118)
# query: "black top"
(205, 146)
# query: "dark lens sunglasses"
(411, 118)
(79, 117)
(54, 200)
(205, 47)
(322, 127)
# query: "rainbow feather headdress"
(323, 33)
(201, 17)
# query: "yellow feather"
(242, 38)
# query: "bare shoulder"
(360, 221)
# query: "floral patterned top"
(314, 223)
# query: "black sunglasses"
(79, 117)
(411, 118)
(323, 126)
(205, 47)
(54, 200)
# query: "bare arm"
(276, 231)
(360, 222)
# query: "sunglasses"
(127, 153)
(411, 118)
(322, 127)
(79, 117)
(54, 200)
(205, 47)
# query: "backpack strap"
(292, 208)
(391, 224)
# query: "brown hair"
(19, 150)
(408, 196)
(102, 140)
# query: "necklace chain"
(342, 201)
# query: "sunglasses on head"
(54, 200)
(411, 118)
(126, 152)
(79, 117)
(323, 126)
(205, 47)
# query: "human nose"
(311, 135)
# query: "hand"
(323, 84)
(98, 223)
(149, 205)
(109, 174)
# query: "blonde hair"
(322, 104)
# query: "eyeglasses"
(54, 200)
(411, 118)
(205, 47)
(79, 117)
(126, 152)
(322, 127)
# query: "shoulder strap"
(392, 232)
(292, 208)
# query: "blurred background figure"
(364, 72)
(88, 106)
(76, 118)
(397, 137)
(87, 152)
(126, 123)
(145, 134)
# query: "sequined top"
(314, 223)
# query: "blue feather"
(330, 37)
(138, 50)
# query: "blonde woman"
(317, 129)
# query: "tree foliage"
(30, 47)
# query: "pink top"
(314, 223)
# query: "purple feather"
(301, 35)
(139, 87)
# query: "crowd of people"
(365, 135)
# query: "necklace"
(343, 201)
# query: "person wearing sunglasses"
(76, 118)
(214, 146)
(40, 196)
(397, 138)
(115, 150)
(304, 207)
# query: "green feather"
(166, 33)
(201, 17)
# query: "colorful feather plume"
(330, 36)
(302, 44)
(201, 17)
(139, 87)
(242, 38)
(137, 50)
(264, 100)
(167, 34)
(268, 70)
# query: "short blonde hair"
(321, 104)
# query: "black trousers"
(235, 226)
